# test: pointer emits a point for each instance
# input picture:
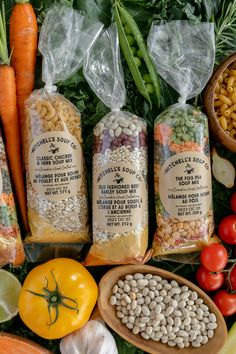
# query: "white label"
(185, 185)
(55, 165)
(119, 197)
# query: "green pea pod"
(129, 57)
(143, 49)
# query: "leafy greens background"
(77, 91)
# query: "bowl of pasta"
(220, 103)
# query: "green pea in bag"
(184, 56)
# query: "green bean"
(126, 48)
(142, 53)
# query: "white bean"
(113, 300)
(145, 310)
(135, 330)
(141, 283)
(212, 317)
(133, 304)
(145, 335)
(163, 310)
(148, 276)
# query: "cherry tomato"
(214, 257)
(233, 202)
(232, 278)
(225, 302)
(227, 229)
(208, 281)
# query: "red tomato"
(232, 278)
(225, 302)
(214, 257)
(233, 202)
(208, 281)
(227, 229)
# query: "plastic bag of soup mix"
(11, 246)
(184, 56)
(120, 205)
(55, 173)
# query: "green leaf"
(125, 347)
(210, 8)
(189, 10)
(96, 9)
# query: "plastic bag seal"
(184, 54)
(64, 39)
(103, 71)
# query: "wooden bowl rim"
(209, 94)
(137, 340)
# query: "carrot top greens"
(5, 59)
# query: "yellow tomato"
(57, 298)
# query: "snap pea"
(127, 29)
(147, 78)
(137, 61)
(145, 89)
(143, 49)
(139, 54)
(126, 48)
(130, 40)
(133, 50)
(150, 88)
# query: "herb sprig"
(225, 30)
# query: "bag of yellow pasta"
(55, 173)
(184, 56)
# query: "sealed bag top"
(103, 70)
(65, 37)
(184, 55)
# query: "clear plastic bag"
(55, 171)
(120, 205)
(184, 56)
(11, 246)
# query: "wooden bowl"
(108, 313)
(218, 133)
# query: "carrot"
(10, 121)
(23, 43)
(12, 344)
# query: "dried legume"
(172, 325)
(11, 247)
(183, 206)
(120, 211)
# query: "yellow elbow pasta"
(225, 101)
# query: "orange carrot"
(10, 121)
(23, 43)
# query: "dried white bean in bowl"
(169, 322)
